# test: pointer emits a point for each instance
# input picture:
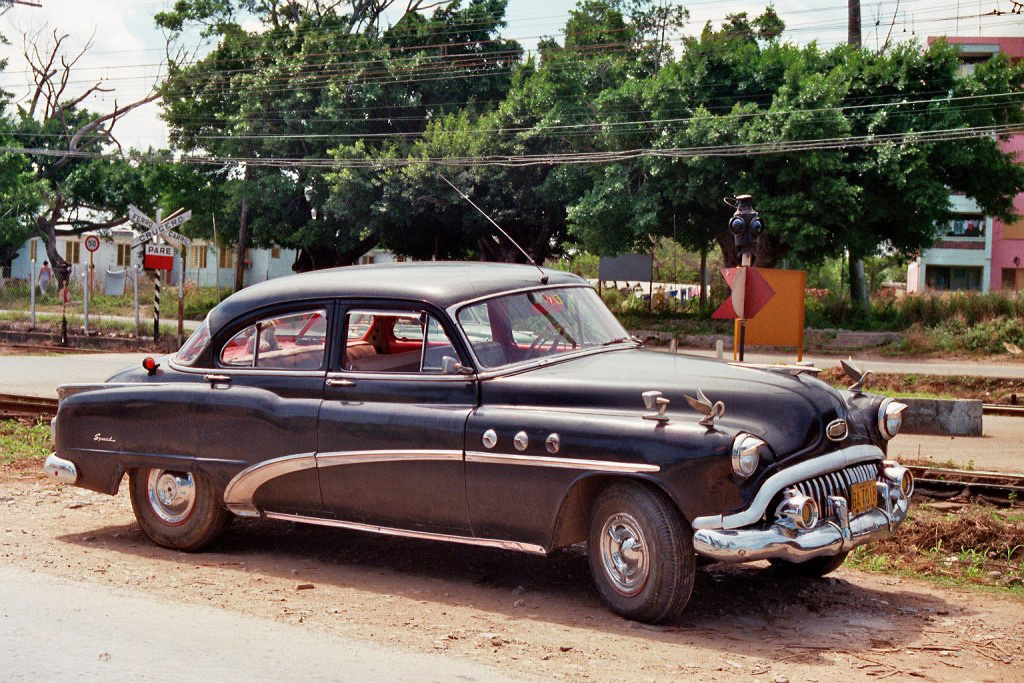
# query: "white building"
(205, 264)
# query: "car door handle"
(336, 382)
(217, 378)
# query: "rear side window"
(295, 341)
(194, 345)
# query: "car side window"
(295, 341)
(396, 341)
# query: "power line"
(600, 157)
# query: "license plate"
(863, 497)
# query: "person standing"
(45, 275)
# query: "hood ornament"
(860, 379)
(653, 400)
(702, 404)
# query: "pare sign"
(158, 257)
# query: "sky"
(127, 50)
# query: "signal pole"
(858, 284)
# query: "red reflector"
(149, 364)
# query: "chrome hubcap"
(624, 553)
(172, 495)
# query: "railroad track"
(27, 406)
(989, 484)
(1002, 409)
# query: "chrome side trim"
(239, 491)
(791, 475)
(244, 371)
(398, 376)
(563, 463)
(335, 458)
(65, 390)
(424, 535)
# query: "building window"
(366, 260)
(275, 252)
(197, 256)
(124, 254)
(226, 259)
(73, 252)
(946, 278)
(33, 250)
(966, 225)
(1013, 279)
(1014, 231)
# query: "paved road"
(999, 449)
(40, 375)
(905, 366)
(55, 629)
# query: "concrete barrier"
(941, 416)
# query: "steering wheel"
(551, 335)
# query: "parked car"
(357, 398)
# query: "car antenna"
(543, 277)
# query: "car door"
(390, 448)
(262, 403)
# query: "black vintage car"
(494, 405)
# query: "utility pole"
(858, 284)
(853, 28)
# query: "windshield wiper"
(622, 340)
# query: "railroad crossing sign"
(163, 229)
(158, 257)
(92, 242)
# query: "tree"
(740, 86)
(85, 182)
(20, 190)
(321, 79)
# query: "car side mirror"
(451, 366)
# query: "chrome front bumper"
(833, 535)
(60, 469)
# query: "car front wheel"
(641, 553)
(178, 510)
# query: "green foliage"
(19, 440)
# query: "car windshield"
(547, 322)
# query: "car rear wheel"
(641, 553)
(813, 568)
(179, 510)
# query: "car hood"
(789, 412)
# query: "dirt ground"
(531, 616)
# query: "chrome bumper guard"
(60, 469)
(833, 535)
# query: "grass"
(987, 389)
(21, 440)
(975, 545)
(50, 322)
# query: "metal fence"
(111, 302)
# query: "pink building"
(976, 252)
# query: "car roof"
(441, 283)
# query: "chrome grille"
(836, 484)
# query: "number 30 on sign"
(158, 257)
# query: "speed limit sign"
(92, 242)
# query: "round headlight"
(890, 417)
(747, 451)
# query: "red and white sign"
(92, 242)
(158, 257)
